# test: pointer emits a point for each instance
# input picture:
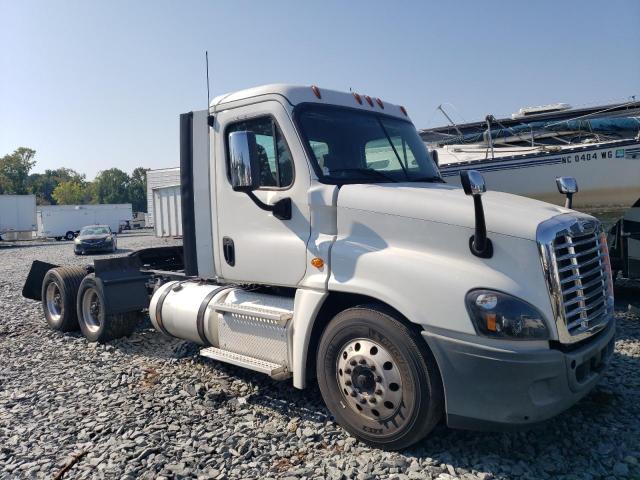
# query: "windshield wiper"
(434, 179)
(393, 147)
(370, 171)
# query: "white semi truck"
(320, 242)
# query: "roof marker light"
(316, 91)
(379, 102)
(369, 101)
(357, 97)
(404, 110)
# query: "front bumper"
(86, 248)
(495, 388)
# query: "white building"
(162, 177)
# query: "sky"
(93, 85)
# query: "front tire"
(69, 236)
(378, 378)
(59, 290)
(96, 326)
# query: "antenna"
(206, 57)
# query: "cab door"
(253, 245)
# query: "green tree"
(112, 186)
(14, 170)
(69, 192)
(90, 193)
(138, 189)
(43, 184)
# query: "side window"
(320, 149)
(276, 163)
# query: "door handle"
(229, 251)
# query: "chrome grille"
(583, 279)
(575, 262)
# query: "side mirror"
(243, 161)
(245, 173)
(567, 186)
(473, 184)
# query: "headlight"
(76, 240)
(108, 239)
(498, 315)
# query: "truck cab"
(320, 243)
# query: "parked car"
(95, 238)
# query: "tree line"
(64, 186)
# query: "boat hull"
(608, 174)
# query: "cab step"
(278, 372)
(252, 312)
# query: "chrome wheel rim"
(369, 379)
(54, 301)
(91, 307)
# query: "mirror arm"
(479, 244)
(281, 209)
(568, 203)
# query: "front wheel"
(378, 378)
(69, 236)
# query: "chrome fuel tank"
(181, 309)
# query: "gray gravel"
(149, 407)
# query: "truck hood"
(436, 202)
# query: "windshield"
(352, 146)
(94, 231)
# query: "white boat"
(599, 146)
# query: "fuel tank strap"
(203, 308)
(159, 311)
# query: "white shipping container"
(59, 220)
(17, 213)
(167, 211)
(162, 177)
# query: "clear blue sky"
(92, 85)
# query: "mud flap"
(32, 288)
(124, 285)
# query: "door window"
(276, 163)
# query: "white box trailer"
(65, 221)
(167, 211)
(162, 177)
(17, 213)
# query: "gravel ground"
(149, 407)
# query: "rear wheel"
(378, 378)
(69, 236)
(59, 290)
(96, 326)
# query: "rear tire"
(59, 290)
(378, 378)
(96, 326)
(69, 236)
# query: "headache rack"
(575, 260)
